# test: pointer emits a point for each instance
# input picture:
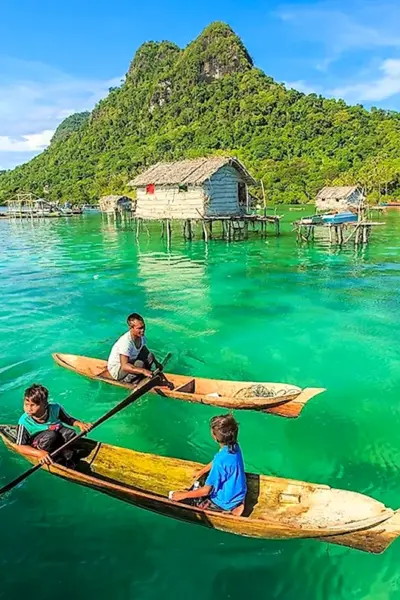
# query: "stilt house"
(116, 204)
(340, 198)
(193, 189)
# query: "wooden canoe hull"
(276, 508)
(284, 399)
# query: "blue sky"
(61, 57)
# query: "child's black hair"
(225, 429)
(134, 317)
(37, 394)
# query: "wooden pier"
(357, 232)
(29, 206)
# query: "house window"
(150, 188)
(183, 187)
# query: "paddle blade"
(18, 480)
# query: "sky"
(57, 58)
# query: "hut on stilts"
(117, 205)
(201, 190)
(341, 210)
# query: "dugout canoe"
(277, 398)
(275, 508)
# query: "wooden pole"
(351, 235)
(168, 233)
(137, 227)
(365, 234)
(264, 198)
(205, 234)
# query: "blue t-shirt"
(227, 478)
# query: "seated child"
(130, 359)
(225, 487)
(41, 428)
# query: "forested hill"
(207, 99)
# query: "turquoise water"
(265, 309)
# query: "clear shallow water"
(265, 309)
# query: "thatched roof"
(337, 192)
(191, 172)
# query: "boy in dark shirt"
(41, 429)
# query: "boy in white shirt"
(130, 359)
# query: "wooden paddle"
(144, 386)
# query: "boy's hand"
(177, 496)
(146, 373)
(83, 426)
(45, 458)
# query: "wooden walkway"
(357, 232)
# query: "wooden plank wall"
(170, 203)
(222, 189)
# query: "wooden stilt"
(137, 227)
(205, 234)
(162, 229)
(168, 225)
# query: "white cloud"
(27, 143)
(34, 99)
(340, 28)
(302, 86)
(375, 89)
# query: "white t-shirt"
(125, 345)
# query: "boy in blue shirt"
(41, 429)
(225, 487)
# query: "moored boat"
(275, 508)
(339, 218)
(281, 399)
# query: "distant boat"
(90, 209)
(340, 218)
(391, 204)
